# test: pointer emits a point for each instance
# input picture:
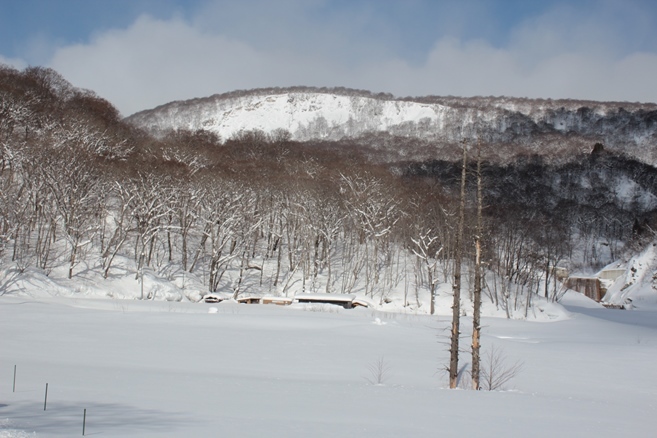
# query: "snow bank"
(637, 288)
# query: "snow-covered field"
(169, 369)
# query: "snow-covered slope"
(304, 115)
(534, 126)
(637, 287)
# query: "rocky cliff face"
(507, 127)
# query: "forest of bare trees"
(78, 185)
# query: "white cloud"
(13, 62)
(476, 68)
(155, 61)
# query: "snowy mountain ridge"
(531, 125)
(305, 115)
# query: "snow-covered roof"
(342, 298)
(248, 298)
(362, 302)
(274, 298)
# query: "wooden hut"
(279, 301)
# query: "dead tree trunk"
(476, 324)
(456, 306)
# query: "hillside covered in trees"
(419, 128)
(87, 195)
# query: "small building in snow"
(344, 300)
(249, 300)
(359, 302)
(279, 301)
(213, 298)
(589, 286)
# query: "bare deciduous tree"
(496, 372)
(379, 371)
(427, 250)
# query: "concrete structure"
(589, 286)
(611, 273)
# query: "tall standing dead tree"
(476, 323)
(456, 306)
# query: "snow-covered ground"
(169, 369)
(167, 366)
(170, 283)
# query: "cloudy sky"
(143, 53)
